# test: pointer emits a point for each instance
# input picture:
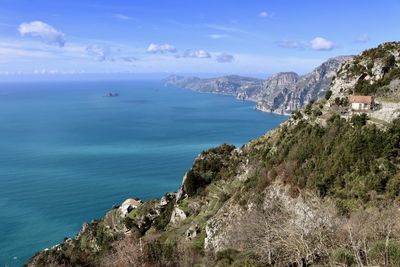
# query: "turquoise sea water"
(67, 154)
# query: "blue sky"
(252, 37)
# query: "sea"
(69, 152)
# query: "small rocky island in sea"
(110, 94)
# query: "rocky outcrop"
(281, 93)
(370, 67)
(235, 225)
(177, 216)
(374, 72)
(287, 92)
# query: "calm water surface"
(67, 154)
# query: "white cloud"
(100, 53)
(122, 17)
(363, 38)
(160, 48)
(44, 31)
(196, 54)
(290, 44)
(225, 58)
(264, 14)
(224, 28)
(217, 36)
(321, 44)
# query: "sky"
(207, 37)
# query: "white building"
(361, 102)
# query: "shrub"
(393, 187)
(359, 120)
(165, 216)
(343, 256)
(328, 94)
(377, 253)
(297, 115)
(317, 112)
(213, 164)
(308, 109)
(161, 253)
(228, 255)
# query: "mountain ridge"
(281, 93)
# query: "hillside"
(323, 189)
(374, 72)
(281, 93)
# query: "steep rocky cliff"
(288, 92)
(323, 189)
(281, 93)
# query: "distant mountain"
(281, 93)
(287, 92)
(242, 87)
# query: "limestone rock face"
(288, 92)
(371, 66)
(128, 204)
(193, 231)
(281, 93)
(177, 216)
(233, 221)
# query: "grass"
(132, 214)
(379, 121)
(388, 99)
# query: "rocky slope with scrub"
(323, 189)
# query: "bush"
(328, 94)
(297, 115)
(377, 253)
(343, 256)
(161, 253)
(213, 164)
(228, 255)
(308, 109)
(363, 87)
(359, 120)
(317, 112)
(393, 187)
(165, 216)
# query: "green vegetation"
(343, 256)
(213, 164)
(346, 160)
(328, 94)
(359, 120)
(165, 215)
(341, 101)
(157, 252)
(383, 54)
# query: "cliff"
(323, 189)
(281, 93)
